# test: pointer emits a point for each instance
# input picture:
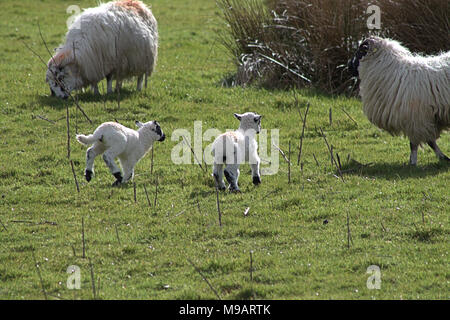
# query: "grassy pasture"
(297, 232)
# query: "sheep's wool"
(118, 38)
(406, 93)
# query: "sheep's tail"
(86, 140)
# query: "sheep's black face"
(353, 63)
(55, 77)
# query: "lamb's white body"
(114, 40)
(405, 93)
(236, 147)
(114, 140)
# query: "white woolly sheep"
(235, 147)
(114, 40)
(403, 92)
(114, 140)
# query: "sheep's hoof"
(235, 190)
(221, 188)
(116, 183)
(88, 175)
(256, 180)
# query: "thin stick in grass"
(349, 234)
(117, 234)
(302, 135)
(74, 176)
(4, 227)
(92, 279)
(39, 274)
(192, 150)
(330, 150)
(146, 195)
(218, 207)
(204, 278)
(251, 265)
(134, 192)
(83, 239)
(289, 163)
(349, 116)
(156, 192)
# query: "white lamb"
(114, 140)
(235, 147)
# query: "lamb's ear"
(139, 124)
(258, 118)
(238, 116)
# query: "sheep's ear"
(139, 124)
(258, 118)
(238, 116)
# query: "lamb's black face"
(353, 63)
(159, 131)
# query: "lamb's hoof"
(119, 179)
(221, 188)
(256, 180)
(88, 175)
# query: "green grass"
(399, 215)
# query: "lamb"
(114, 40)
(114, 140)
(404, 92)
(235, 147)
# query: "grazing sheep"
(235, 147)
(403, 92)
(114, 140)
(114, 40)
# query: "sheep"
(114, 40)
(235, 147)
(114, 140)
(404, 92)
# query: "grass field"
(296, 233)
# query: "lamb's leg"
(109, 88)
(139, 82)
(255, 173)
(91, 153)
(232, 175)
(109, 157)
(438, 151)
(128, 170)
(413, 155)
(218, 175)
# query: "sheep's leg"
(94, 88)
(109, 157)
(413, 155)
(139, 82)
(218, 175)
(91, 153)
(438, 151)
(118, 85)
(109, 88)
(232, 175)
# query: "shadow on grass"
(84, 97)
(394, 171)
